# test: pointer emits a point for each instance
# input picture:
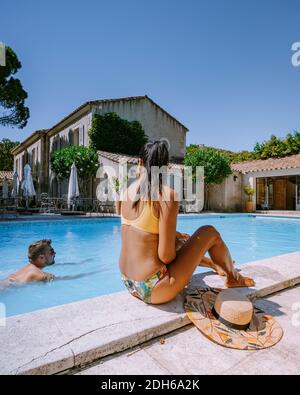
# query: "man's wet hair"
(37, 248)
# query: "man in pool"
(40, 255)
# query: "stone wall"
(34, 154)
(155, 122)
(227, 196)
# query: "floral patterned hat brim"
(263, 332)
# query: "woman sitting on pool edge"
(151, 268)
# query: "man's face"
(50, 256)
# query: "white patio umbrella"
(73, 190)
(27, 184)
(5, 188)
(15, 188)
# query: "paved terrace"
(58, 339)
(187, 351)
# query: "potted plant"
(249, 191)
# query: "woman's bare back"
(139, 254)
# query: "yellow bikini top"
(146, 221)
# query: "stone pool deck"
(53, 217)
(62, 338)
(187, 351)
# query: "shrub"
(85, 159)
(111, 133)
(216, 166)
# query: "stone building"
(73, 129)
(33, 150)
(276, 183)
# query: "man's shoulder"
(34, 269)
(35, 273)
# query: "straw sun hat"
(228, 318)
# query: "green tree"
(243, 156)
(12, 94)
(277, 148)
(85, 159)
(111, 133)
(194, 147)
(292, 143)
(233, 157)
(272, 148)
(216, 166)
(256, 148)
(6, 157)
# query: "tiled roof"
(131, 159)
(7, 174)
(287, 162)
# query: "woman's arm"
(167, 228)
(181, 238)
(180, 235)
(118, 207)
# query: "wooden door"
(280, 194)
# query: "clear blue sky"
(223, 68)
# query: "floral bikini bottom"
(143, 289)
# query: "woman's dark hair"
(153, 153)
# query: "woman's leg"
(206, 238)
(220, 255)
(207, 262)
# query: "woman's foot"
(239, 281)
(207, 262)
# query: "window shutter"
(71, 137)
(81, 135)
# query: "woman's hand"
(180, 235)
(181, 238)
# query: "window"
(76, 137)
(37, 159)
(298, 192)
(106, 183)
(81, 135)
(33, 158)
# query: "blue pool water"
(88, 252)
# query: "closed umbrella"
(15, 189)
(27, 184)
(5, 188)
(73, 190)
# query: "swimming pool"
(88, 251)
